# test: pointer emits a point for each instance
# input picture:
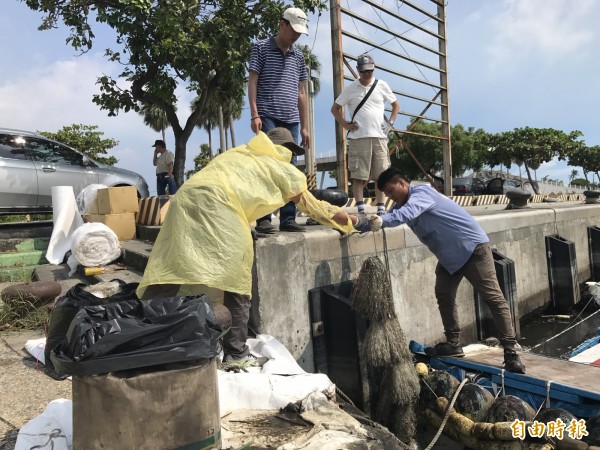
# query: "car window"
(461, 181)
(511, 184)
(10, 147)
(51, 152)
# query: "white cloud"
(548, 29)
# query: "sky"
(511, 63)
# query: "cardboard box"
(122, 224)
(118, 200)
(153, 210)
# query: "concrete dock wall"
(288, 265)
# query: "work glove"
(375, 223)
(386, 128)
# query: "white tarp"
(278, 382)
(51, 429)
(66, 220)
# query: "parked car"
(500, 186)
(31, 164)
(467, 186)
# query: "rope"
(385, 256)
(548, 383)
(448, 411)
(344, 397)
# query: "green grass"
(23, 218)
(22, 314)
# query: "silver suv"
(31, 164)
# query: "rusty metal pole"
(309, 156)
(445, 99)
(335, 16)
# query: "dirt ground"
(25, 389)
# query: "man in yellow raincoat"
(205, 244)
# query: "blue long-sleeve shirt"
(447, 230)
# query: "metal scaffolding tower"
(410, 38)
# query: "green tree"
(86, 139)
(533, 146)
(588, 158)
(469, 148)
(164, 45)
(200, 160)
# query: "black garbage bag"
(133, 334)
(66, 307)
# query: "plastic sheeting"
(278, 382)
(131, 334)
(69, 305)
(93, 244)
(322, 212)
(66, 220)
(206, 239)
(87, 197)
(53, 429)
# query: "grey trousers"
(234, 341)
(480, 272)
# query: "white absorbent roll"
(94, 244)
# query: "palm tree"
(232, 110)
(155, 118)
(313, 67)
(574, 174)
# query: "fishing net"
(384, 345)
(372, 293)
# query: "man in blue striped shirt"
(277, 96)
(463, 251)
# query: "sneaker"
(380, 212)
(291, 226)
(264, 226)
(512, 362)
(244, 361)
(311, 221)
(445, 349)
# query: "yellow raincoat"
(206, 238)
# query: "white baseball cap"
(297, 19)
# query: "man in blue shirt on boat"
(462, 249)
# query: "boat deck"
(583, 377)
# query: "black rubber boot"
(445, 349)
(512, 362)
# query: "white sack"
(51, 429)
(87, 197)
(94, 244)
(66, 220)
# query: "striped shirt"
(278, 78)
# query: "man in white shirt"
(367, 130)
(163, 160)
